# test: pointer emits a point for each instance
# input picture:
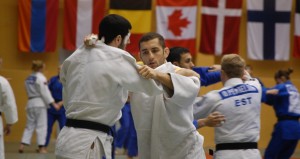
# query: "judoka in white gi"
(240, 102)
(9, 108)
(164, 123)
(96, 81)
(39, 98)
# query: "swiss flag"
(297, 31)
(220, 26)
(176, 22)
(81, 17)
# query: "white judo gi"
(240, 102)
(8, 107)
(39, 98)
(164, 123)
(96, 82)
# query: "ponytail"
(284, 73)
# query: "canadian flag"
(220, 26)
(81, 17)
(297, 31)
(176, 22)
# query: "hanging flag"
(138, 12)
(220, 26)
(297, 31)
(176, 22)
(268, 34)
(81, 17)
(37, 25)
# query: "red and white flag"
(220, 26)
(297, 31)
(81, 17)
(176, 22)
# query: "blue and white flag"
(268, 29)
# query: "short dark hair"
(151, 36)
(175, 54)
(113, 25)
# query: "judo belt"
(92, 126)
(88, 125)
(236, 146)
(0, 113)
(286, 117)
(33, 97)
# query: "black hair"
(113, 25)
(175, 54)
(283, 73)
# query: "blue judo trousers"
(55, 86)
(126, 135)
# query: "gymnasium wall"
(16, 68)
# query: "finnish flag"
(268, 29)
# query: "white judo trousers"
(164, 123)
(96, 82)
(35, 121)
(240, 102)
(8, 107)
(39, 97)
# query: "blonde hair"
(37, 65)
(233, 65)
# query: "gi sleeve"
(8, 102)
(207, 78)
(133, 82)
(44, 91)
(186, 89)
(205, 105)
(270, 99)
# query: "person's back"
(96, 82)
(38, 94)
(93, 76)
(39, 99)
(240, 102)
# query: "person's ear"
(118, 40)
(223, 76)
(166, 52)
(176, 63)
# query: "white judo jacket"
(240, 102)
(37, 91)
(96, 82)
(164, 123)
(7, 107)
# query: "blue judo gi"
(55, 87)
(286, 131)
(126, 135)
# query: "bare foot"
(43, 150)
(21, 148)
